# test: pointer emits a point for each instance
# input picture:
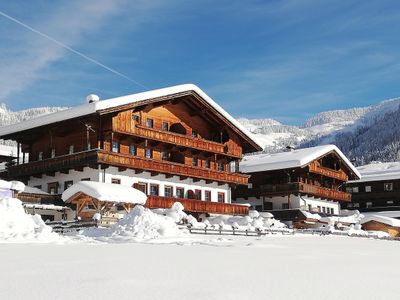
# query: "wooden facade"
(374, 195)
(175, 135)
(322, 178)
(378, 226)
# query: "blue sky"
(285, 60)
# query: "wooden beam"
(122, 169)
(152, 174)
(51, 174)
(64, 171)
(79, 169)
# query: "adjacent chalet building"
(377, 190)
(309, 179)
(172, 143)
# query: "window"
(349, 189)
(208, 163)
(197, 194)
(149, 153)
(355, 189)
(319, 208)
(309, 207)
(149, 123)
(368, 204)
(132, 149)
(332, 211)
(285, 206)
(195, 134)
(368, 188)
(324, 210)
(136, 118)
(71, 149)
(207, 195)
(180, 192)
(67, 184)
(115, 147)
(52, 188)
(389, 202)
(168, 191)
(195, 161)
(141, 186)
(355, 204)
(85, 179)
(221, 197)
(388, 187)
(40, 156)
(165, 126)
(153, 189)
(220, 166)
(53, 153)
(116, 180)
(164, 155)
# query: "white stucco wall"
(295, 202)
(128, 178)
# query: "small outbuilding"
(89, 198)
(381, 223)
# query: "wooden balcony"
(167, 167)
(339, 175)
(94, 157)
(272, 190)
(181, 140)
(197, 206)
(51, 165)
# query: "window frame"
(219, 194)
(68, 183)
(386, 186)
(115, 146)
(171, 189)
(178, 189)
(207, 194)
(165, 125)
(149, 122)
(150, 151)
(154, 185)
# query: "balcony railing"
(181, 140)
(314, 168)
(166, 167)
(271, 190)
(93, 157)
(51, 165)
(197, 206)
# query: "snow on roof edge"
(90, 108)
(299, 159)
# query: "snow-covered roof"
(106, 192)
(381, 219)
(290, 159)
(12, 185)
(33, 190)
(91, 108)
(379, 171)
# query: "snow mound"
(141, 224)
(18, 226)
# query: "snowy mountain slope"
(8, 117)
(335, 127)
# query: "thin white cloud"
(26, 55)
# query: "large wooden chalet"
(309, 179)
(173, 144)
(377, 190)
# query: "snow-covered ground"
(270, 267)
(146, 256)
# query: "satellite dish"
(92, 98)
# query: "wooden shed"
(382, 223)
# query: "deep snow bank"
(141, 224)
(18, 226)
